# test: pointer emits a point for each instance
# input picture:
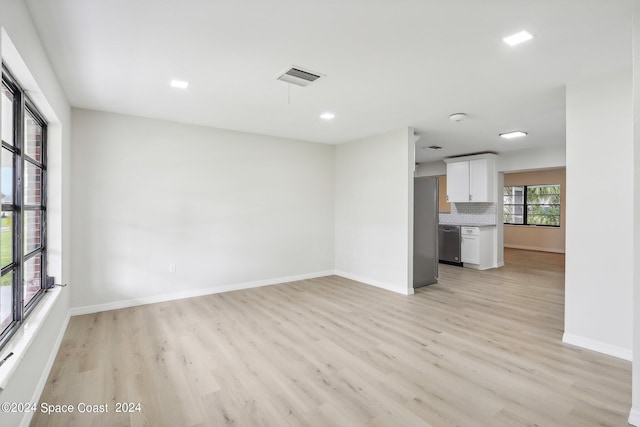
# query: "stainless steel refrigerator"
(425, 231)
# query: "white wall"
(599, 277)
(227, 208)
(532, 158)
(373, 196)
(431, 168)
(22, 50)
(634, 417)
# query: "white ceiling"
(389, 63)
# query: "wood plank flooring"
(481, 348)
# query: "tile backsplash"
(470, 213)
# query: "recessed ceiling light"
(514, 134)
(517, 38)
(327, 116)
(180, 84)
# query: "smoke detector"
(457, 117)
(299, 76)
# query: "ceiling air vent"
(299, 76)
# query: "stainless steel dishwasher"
(449, 241)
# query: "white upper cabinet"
(471, 179)
(458, 182)
(481, 177)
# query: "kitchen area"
(456, 217)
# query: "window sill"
(24, 336)
(534, 226)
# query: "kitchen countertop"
(472, 225)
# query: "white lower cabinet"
(477, 247)
(470, 249)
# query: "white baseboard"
(634, 417)
(600, 347)
(535, 248)
(377, 284)
(26, 419)
(77, 311)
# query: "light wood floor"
(481, 348)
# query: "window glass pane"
(543, 214)
(32, 230)
(6, 300)
(513, 207)
(543, 205)
(32, 277)
(513, 195)
(7, 115)
(32, 184)
(543, 194)
(6, 180)
(6, 238)
(33, 137)
(512, 215)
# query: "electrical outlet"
(172, 268)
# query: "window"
(532, 205)
(23, 216)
